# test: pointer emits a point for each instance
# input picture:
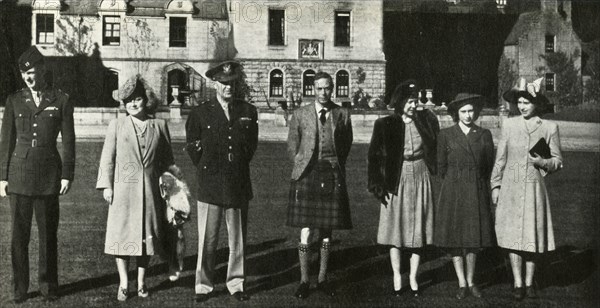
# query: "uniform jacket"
(224, 151)
(386, 150)
(302, 137)
(523, 218)
(463, 213)
(137, 211)
(29, 159)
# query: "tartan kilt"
(319, 199)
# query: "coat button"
(34, 124)
(229, 137)
(208, 126)
(35, 134)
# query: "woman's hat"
(405, 90)
(224, 71)
(137, 87)
(462, 99)
(530, 91)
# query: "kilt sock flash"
(304, 256)
(324, 261)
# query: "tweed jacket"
(302, 137)
(225, 149)
(136, 214)
(523, 217)
(29, 159)
(386, 149)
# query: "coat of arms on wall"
(310, 49)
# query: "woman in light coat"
(523, 218)
(137, 150)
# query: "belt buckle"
(230, 157)
(34, 143)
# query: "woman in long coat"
(401, 159)
(137, 150)
(463, 220)
(523, 219)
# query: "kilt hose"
(319, 199)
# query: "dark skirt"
(319, 199)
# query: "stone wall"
(257, 73)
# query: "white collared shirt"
(319, 107)
(225, 106)
(36, 97)
(465, 129)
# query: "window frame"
(550, 45)
(177, 42)
(339, 85)
(308, 88)
(336, 24)
(39, 28)
(550, 82)
(273, 87)
(112, 40)
(270, 32)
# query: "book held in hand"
(541, 148)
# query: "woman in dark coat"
(463, 219)
(401, 160)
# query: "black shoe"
(326, 288)
(241, 296)
(415, 293)
(475, 291)
(518, 293)
(19, 300)
(462, 293)
(302, 291)
(202, 297)
(398, 293)
(530, 292)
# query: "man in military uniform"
(32, 172)
(222, 135)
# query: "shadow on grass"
(275, 268)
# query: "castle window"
(111, 33)
(342, 28)
(276, 83)
(277, 27)
(342, 84)
(550, 82)
(308, 82)
(550, 43)
(44, 28)
(177, 31)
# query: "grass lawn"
(360, 269)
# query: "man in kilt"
(319, 141)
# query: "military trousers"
(209, 222)
(46, 209)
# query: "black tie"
(322, 117)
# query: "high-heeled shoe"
(398, 293)
(415, 293)
(142, 292)
(121, 294)
(175, 276)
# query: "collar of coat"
(47, 97)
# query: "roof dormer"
(112, 6)
(179, 7)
